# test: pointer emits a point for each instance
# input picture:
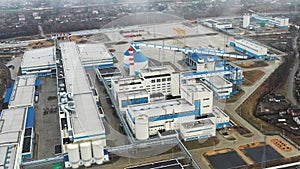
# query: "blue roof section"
(139, 57)
(196, 56)
(30, 118)
(38, 83)
(8, 93)
(126, 53)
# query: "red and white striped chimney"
(131, 62)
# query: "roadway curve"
(290, 93)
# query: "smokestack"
(131, 62)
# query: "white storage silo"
(98, 151)
(200, 65)
(141, 127)
(73, 153)
(210, 64)
(86, 153)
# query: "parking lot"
(46, 120)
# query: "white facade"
(125, 84)
(154, 80)
(164, 115)
(280, 21)
(221, 119)
(224, 25)
(246, 20)
(157, 80)
(251, 47)
(221, 87)
(200, 95)
(194, 130)
(132, 97)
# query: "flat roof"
(86, 119)
(198, 123)
(161, 108)
(24, 88)
(38, 57)
(156, 71)
(133, 94)
(198, 87)
(219, 113)
(12, 122)
(7, 156)
(75, 75)
(93, 52)
(219, 81)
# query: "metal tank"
(141, 127)
(86, 153)
(73, 153)
(98, 151)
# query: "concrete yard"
(46, 120)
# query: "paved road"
(290, 93)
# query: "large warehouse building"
(82, 130)
(41, 62)
(249, 48)
(17, 123)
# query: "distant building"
(246, 20)
(249, 48)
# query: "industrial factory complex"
(152, 102)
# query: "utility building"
(82, 130)
(39, 62)
(249, 48)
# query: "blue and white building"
(41, 62)
(194, 107)
(95, 56)
(250, 48)
(38, 62)
(82, 130)
(16, 136)
(219, 76)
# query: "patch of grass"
(252, 76)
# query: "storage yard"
(113, 105)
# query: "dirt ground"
(252, 76)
